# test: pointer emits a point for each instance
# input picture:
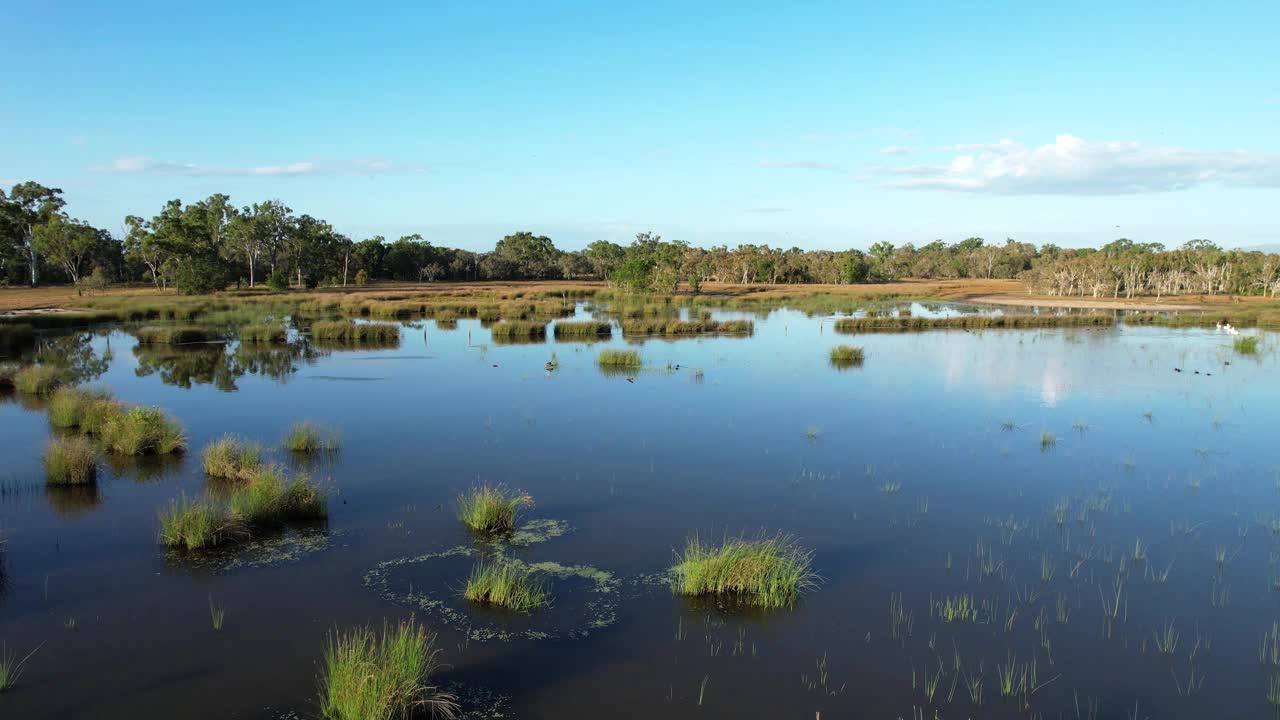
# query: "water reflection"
(75, 355)
(221, 365)
(73, 500)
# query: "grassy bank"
(968, 322)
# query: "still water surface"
(919, 476)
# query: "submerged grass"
(507, 585)
(382, 676)
(231, 458)
(71, 460)
(307, 437)
(491, 508)
(768, 572)
(966, 322)
(846, 356)
(174, 334)
(619, 358)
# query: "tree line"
(211, 244)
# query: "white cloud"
(796, 165)
(142, 165)
(895, 150)
(1074, 166)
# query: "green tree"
(529, 256)
(68, 243)
(27, 206)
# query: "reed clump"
(845, 356)
(382, 676)
(507, 585)
(38, 379)
(517, 330)
(767, 572)
(308, 437)
(584, 329)
(173, 334)
(70, 406)
(642, 326)
(263, 333)
(612, 358)
(491, 508)
(231, 458)
(266, 498)
(1246, 345)
(70, 460)
(356, 333)
(968, 322)
(143, 431)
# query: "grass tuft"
(491, 508)
(518, 330)
(70, 460)
(1246, 345)
(266, 499)
(69, 406)
(619, 358)
(584, 329)
(197, 524)
(38, 379)
(843, 356)
(263, 333)
(307, 437)
(354, 333)
(768, 572)
(382, 676)
(231, 458)
(173, 334)
(143, 431)
(506, 585)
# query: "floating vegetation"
(350, 332)
(174, 334)
(586, 597)
(382, 676)
(611, 358)
(968, 322)
(263, 333)
(307, 437)
(491, 508)
(70, 461)
(38, 379)
(583, 330)
(846, 356)
(231, 458)
(687, 327)
(506, 585)
(768, 572)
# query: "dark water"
(901, 476)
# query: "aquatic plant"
(70, 460)
(1246, 345)
(660, 326)
(584, 329)
(68, 405)
(351, 332)
(217, 614)
(197, 524)
(491, 508)
(231, 458)
(1048, 440)
(769, 572)
(843, 356)
(173, 334)
(38, 379)
(958, 322)
(514, 330)
(382, 676)
(143, 431)
(11, 666)
(507, 585)
(619, 358)
(263, 333)
(307, 437)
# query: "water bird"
(1177, 369)
(631, 380)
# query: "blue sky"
(817, 124)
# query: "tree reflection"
(222, 364)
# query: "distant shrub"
(278, 280)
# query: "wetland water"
(1089, 508)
